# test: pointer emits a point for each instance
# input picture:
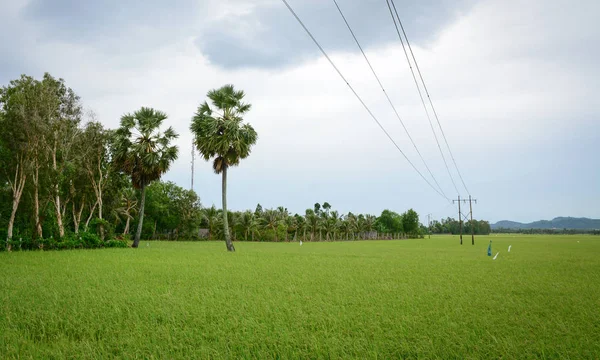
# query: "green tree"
(410, 222)
(220, 134)
(143, 152)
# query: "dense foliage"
(319, 223)
(452, 226)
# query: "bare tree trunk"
(36, 201)
(138, 234)
(17, 189)
(59, 220)
(87, 223)
(228, 241)
(100, 215)
(126, 231)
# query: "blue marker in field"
(490, 248)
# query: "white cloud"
(495, 96)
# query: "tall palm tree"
(143, 152)
(222, 136)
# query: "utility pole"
(429, 224)
(472, 225)
(193, 158)
(460, 217)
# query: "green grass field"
(370, 299)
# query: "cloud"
(517, 109)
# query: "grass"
(376, 299)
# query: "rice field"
(428, 298)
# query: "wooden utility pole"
(472, 225)
(429, 224)
(460, 217)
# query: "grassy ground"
(378, 299)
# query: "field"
(376, 299)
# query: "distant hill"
(556, 223)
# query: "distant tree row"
(319, 223)
(452, 226)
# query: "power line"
(429, 97)
(388, 98)
(421, 96)
(357, 96)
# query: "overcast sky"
(515, 84)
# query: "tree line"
(452, 226)
(319, 223)
(66, 181)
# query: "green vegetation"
(366, 299)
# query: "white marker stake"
(496, 256)
(509, 248)
(300, 242)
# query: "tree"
(96, 162)
(248, 224)
(326, 206)
(221, 134)
(312, 222)
(271, 220)
(210, 215)
(410, 222)
(17, 119)
(128, 207)
(143, 152)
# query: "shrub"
(116, 244)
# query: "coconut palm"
(221, 135)
(312, 222)
(248, 224)
(143, 152)
(210, 215)
(271, 220)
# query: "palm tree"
(301, 225)
(290, 225)
(335, 220)
(248, 223)
(312, 222)
(143, 152)
(271, 220)
(223, 136)
(210, 215)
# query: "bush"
(96, 224)
(116, 244)
(83, 240)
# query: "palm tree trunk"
(228, 241)
(138, 233)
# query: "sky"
(514, 84)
